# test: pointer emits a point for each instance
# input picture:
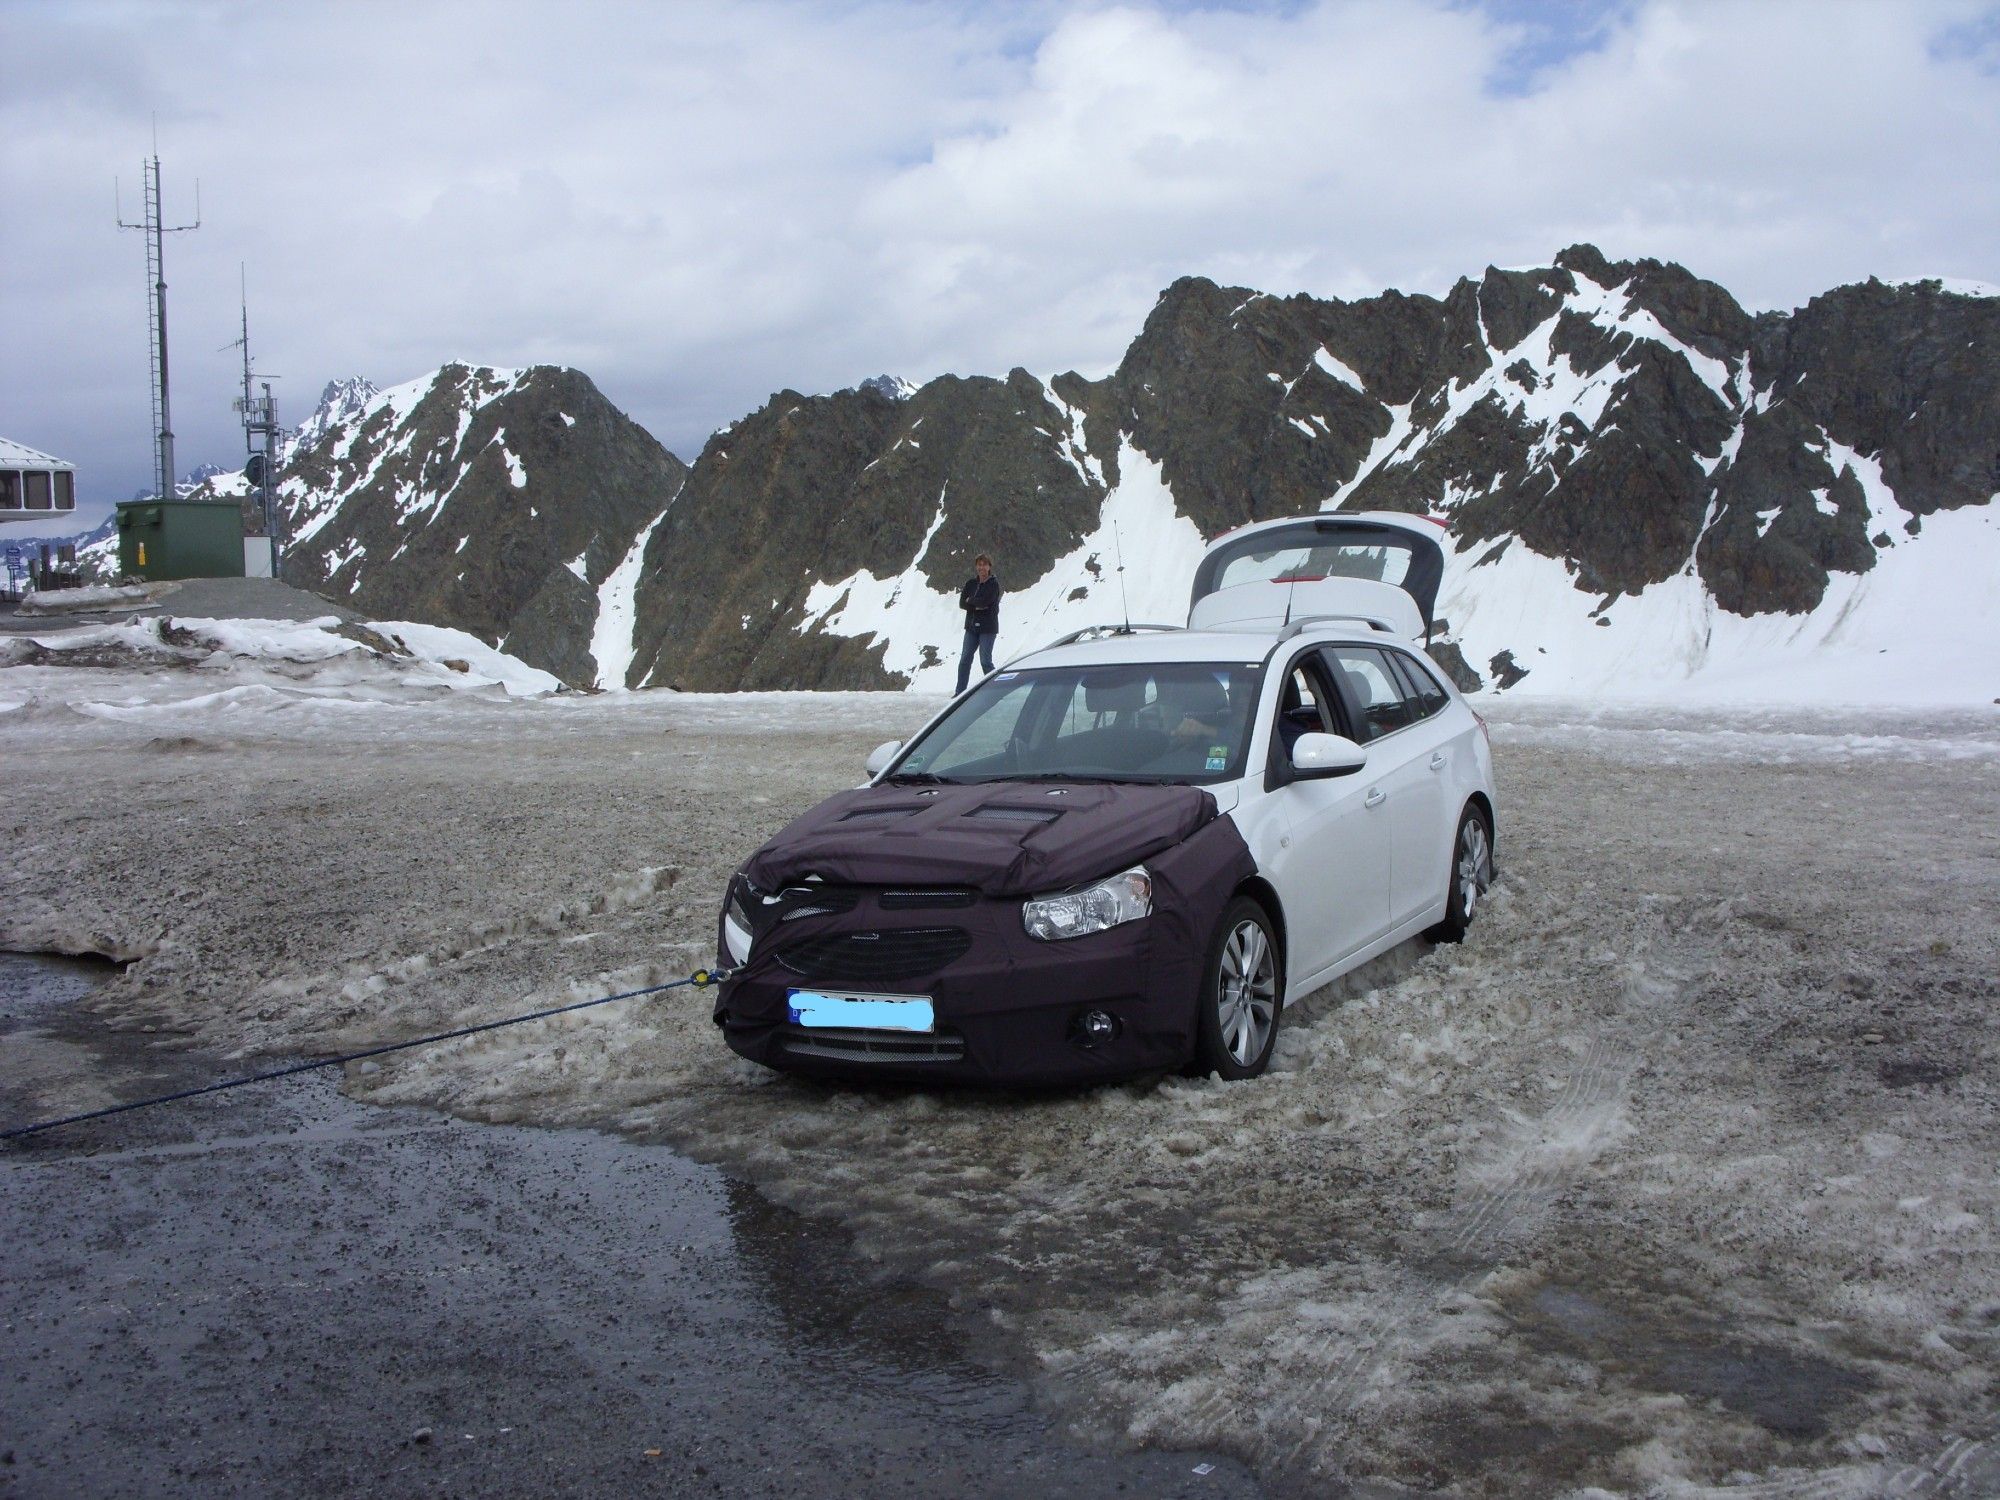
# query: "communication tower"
(156, 278)
(263, 439)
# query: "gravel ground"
(1677, 1178)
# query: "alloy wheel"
(1475, 864)
(1247, 1001)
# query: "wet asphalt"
(279, 1291)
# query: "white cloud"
(698, 205)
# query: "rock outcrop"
(493, 501)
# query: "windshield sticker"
(1005, 676)
(1218, 758)
(913, 763)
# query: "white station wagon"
(1128, 851)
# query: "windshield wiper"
(1079, 776)
(917, 778)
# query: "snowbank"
(322, 654)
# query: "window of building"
(37, 489)
(65, 490)
(10, 490)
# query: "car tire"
(1242, 995)
(1470, 875)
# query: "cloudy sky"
(698, 204)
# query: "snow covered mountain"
(341, 401)
(498, 502)
(1650, 491)
(1644, 483)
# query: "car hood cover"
(1003, 838)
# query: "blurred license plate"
(861, 1012)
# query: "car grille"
(868, 956)
(932, 898)
(872, 1046)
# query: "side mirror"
(881, 755)
(1318, 755)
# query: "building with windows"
(34, 486)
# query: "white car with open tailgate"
(1129, 850)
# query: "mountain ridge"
(1626, 422)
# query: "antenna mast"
(1124, 608)
(156, 280)
(263, 439)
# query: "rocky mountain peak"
(1614, 444)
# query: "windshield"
(1160, 721)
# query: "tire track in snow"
(1530, 1177)
(1967, 1467)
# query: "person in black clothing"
(980, 599)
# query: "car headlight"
(738, 931)
(1121, 898)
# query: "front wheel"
(1242, 995)
(1471, 874)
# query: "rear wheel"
(1242, 995)
(1471, 874)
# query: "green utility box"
(160, 539)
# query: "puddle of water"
(1786, 1392)
(34, 984)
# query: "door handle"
(1438, 761)
(1375, 798)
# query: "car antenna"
(1119, 542)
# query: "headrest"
(1199, 698)
(1114, 696)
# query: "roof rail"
(1094, 632)
(1090, 632)
(1295, 626)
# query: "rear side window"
(1380, 698)
(1423, 692)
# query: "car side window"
(1306, 705)
(1425, 696)
(1379, 696)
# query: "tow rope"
(699, 979)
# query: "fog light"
(1092, 1027)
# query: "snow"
(1624, 316)
(383, 419)
(517, 475)
(183, 658)
(567, 419)
(1070, 442)
(94, 596)
(907, 614)
(1681, 1164)
(1385, 449)
(611, 645)
(575, 565)
(436, 643)
(1338, 369)
(1917, 629)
